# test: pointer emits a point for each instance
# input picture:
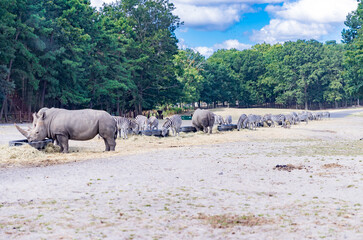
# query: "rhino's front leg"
(63, 143)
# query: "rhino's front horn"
(22, 131)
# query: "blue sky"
(210, 25)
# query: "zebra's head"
(134, 126)
(165, 127)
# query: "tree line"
(124, 57)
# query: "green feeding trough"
(185, 117)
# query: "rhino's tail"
(115, 135)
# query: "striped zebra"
(325, 114)
(251, 122)
(228, 119)
(303, 117)
(174, 122)
(142, 122)
(295, 117)
(240, 121)
(218, 119)
(152, 123)
(124, 124)
(279, 118)
(289, 118)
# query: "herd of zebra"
(142, 123)
(251, 121)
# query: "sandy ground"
(196, 186)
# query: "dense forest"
(124, 57)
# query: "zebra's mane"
(167, 120)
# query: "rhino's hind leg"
(110, 144)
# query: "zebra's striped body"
(218, 119)
(325, 114)
(123, 126)
(174, 122)
(279, 118)
(251, 122)
(152, 123)
(228, 119)
(303, 117)
(295, 117)
(142, 122)
(289, 118)
(240, 121)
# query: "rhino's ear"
(42, 115)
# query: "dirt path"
(210, 190)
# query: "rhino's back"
(80, 124)
(202, 118)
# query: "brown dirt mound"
(289, 167)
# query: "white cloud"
(205, 51)
(99, 3)
(210, 17)
(209, 2)
(182, 44)
(322, 11)
(228, 44)
(304, 19)
(283, 30)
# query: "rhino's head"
(38, 132)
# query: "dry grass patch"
(328, 148)
(332, 165)
(229, 221)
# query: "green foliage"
(124, 57)
(67, 54)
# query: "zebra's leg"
(126, 131)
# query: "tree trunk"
(139, 108)
(306, 97)
(118, 107)
(358, 102)
(43, 95)
(3, 107)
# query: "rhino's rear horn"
(22, 131)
